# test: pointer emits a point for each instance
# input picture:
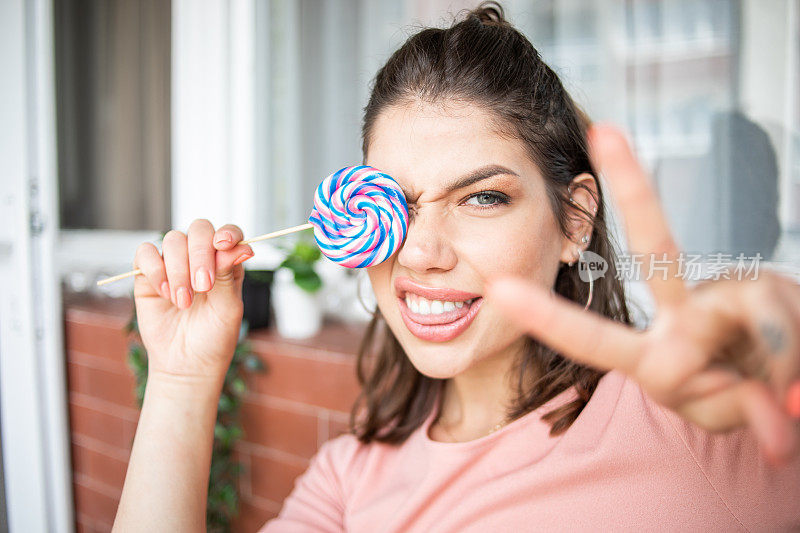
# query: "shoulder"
(343, 454)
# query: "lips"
(437, 327)
(402, 285)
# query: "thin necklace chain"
(495, 428)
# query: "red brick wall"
(302, 400)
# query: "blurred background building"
(125, 118)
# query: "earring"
(591, 285)
(585, 239)
(579, 257)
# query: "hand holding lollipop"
(188, 298)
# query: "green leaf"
(254, 363)
(226, 404)
(306, 251)
(310, 284)
(238, 386)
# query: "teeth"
(423, 306)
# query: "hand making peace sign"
(722, 354)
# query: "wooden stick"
(264, 237)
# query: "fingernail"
(793, 400)
(202, 280)
(184, 300)
(242, 258)
(165, 290)
(224, 237)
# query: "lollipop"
(360, 216)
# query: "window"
(267, 99)
(113, 114)
(708, 91)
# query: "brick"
(94, 503)
(273, 479)
(87, 525)
(105, 427)
(101, 340)
(324, 383)
(98, 466)
(338, 426)
(82, 525)
(279, 428)
(109, 386)
(252, 517)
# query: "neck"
(476, 400)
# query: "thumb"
(230, 271)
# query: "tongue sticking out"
(439, 318)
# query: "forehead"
(425, 145)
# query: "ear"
(584, 197)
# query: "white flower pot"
(298, 313)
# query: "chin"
(439, 360)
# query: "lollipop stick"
(264, 237)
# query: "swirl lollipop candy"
(360, 216)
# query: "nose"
(427, 247)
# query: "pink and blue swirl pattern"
(360, 216)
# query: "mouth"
(435, 315)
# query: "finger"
(226, 296)
(708, 382)
(690, 341)
(227, 236)
(202, 260)
(228, 259)
(771, 313)
(792, 402)
(646, 225)
(176, 261)
(565, 326)
(149, 261)
(774, 429)
(747, 403)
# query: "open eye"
(487, 199)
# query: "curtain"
(113, 113)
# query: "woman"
(491, 402)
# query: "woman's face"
(458, 238)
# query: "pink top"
(625, 464)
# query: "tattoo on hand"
(774, 337)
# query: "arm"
(189, 311)
(166, 485)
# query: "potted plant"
(256, 297)
(295, 292)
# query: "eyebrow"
(475, 176)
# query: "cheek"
(380, 277)
(524, 243)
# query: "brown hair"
(483, 60)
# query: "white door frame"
(33, 400)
